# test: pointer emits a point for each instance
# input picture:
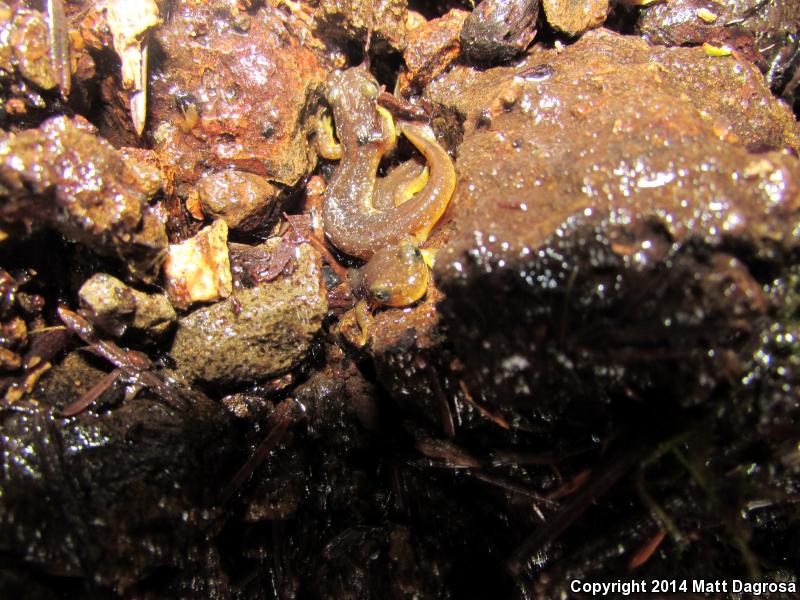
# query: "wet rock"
(32, 64)
(349, 20)
(6, 49)
(498, 30)
(109, 302)
(763, 32)
(245, 201)
(199, 270)
(154, 316)
(259, 333)
(698, 21)
(687, 22)
(432, 48)
(145, 164)
(227, 97)
(573, 17)
(64, 175)
(30, 41)
(621, 244)
(726, 93)
(88, 497)
(116, 307)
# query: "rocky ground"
(601, 382)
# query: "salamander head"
(352, 95)
(396, 275)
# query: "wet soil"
(601, 382)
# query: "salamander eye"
(380, 294)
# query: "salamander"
(381, 220)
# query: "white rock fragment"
(199, 269)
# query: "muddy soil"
(201, 396)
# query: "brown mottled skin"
(352, 222)
(363, 215)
